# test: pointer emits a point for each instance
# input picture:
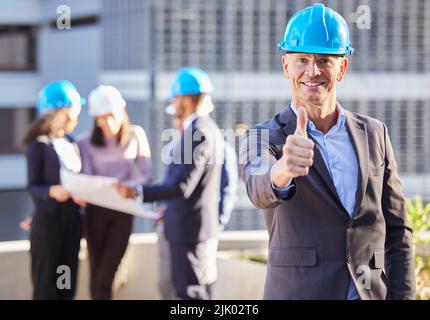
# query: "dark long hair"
(123, 137)
(48, 124)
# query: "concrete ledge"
(137, 275)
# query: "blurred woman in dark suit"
(56, 224)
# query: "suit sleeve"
(35, 185)
(258, 157)
(185, 173)
(228, 189)
(398, 243)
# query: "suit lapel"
(358, 134)
(288, 117)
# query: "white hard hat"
(205, 108)
(105, 99)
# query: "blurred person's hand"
(125, 191)
(26, 224)
(58, 193)
(80, 202)
(160, 209)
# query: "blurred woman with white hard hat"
(117, 149)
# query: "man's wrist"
(278, 179)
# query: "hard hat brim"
(341, 55)
(317, 50)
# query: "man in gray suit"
(340, 227)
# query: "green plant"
(419, 219)
(256, 257)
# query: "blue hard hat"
(191, 80)
(58, 94)
(317, 29)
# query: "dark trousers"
(190, 266)
(54, 248)
(107, 233)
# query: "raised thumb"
(302, 120)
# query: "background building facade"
(137, 45)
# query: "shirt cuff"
(283, 193)
(139, 192)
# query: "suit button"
(350, 224)
(349, 260)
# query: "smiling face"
(313, 77)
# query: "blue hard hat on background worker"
(57, 95)
(190, 81)
(319, 30)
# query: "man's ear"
(342, 70)
(284, 61)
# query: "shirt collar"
(188, 120)
(340, 123)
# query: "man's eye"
(323, 61)
(302, 60)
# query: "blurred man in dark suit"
(191, 189)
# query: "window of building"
(18, 48)
(13, 123)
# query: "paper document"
(100, 191)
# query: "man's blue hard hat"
(57, 95)
(189, 81)
(319, 30)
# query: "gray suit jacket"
(315, 248)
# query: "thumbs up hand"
(302, 121)
(297, 154)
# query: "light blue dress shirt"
(337, 151)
